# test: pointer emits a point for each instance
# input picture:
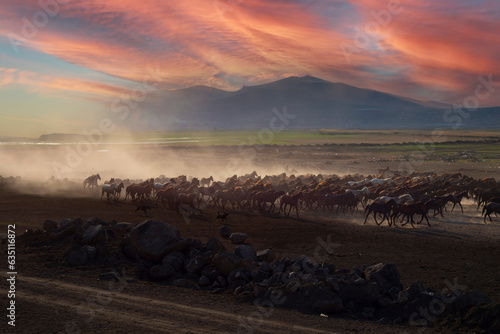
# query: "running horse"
(91, 181)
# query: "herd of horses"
(411, 198)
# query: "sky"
(65, 63)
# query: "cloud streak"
(430, 50)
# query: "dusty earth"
(52, 298)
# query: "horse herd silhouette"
(390, 198)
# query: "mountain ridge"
(315, 103)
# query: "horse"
(186, 199)
(489, 209)
(91, 181)
(457, 198)
(118, 190)
(261, 199)
(380, 208)
(409, 210)
(205, 181)
(112, 190)
(292, 200)
(166, 195)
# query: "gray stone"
(265, 266)
(91, 251)
(65, 222)
(214, 245)
(278, 266)
(225, 262)
(76, 258)
(477, 297)
(155, 239)
(260, 276)
(225, 232)
(49, 225)
(174, 261)
(94, 234)
(238, 238)
(266, 255)
(204, 281)
(195, 265)
(385, 275)
(163, 271)
(124, 226)
(67, 229)
(245, 252)
(222, 281)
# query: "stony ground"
(458, 248)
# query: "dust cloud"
(50, 168)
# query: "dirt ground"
(52, 298)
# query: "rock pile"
(160, 254)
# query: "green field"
(309, 137)
(475, 146)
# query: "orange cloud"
(430, 49)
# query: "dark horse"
(91, 181)
(381, 208)
(292, 200)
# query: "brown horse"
(206, 181)
(91, 181)
(489, 209)
(380, 208)
(261, 199)
(292, 201)
(166, 195)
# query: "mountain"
(315, 103)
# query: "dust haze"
(49, 168)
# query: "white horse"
(112, 190)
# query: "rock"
(278, 266)
(124, 226)
(225, 232)
(214, 245)
(365, 294)
(49, 225)
(65, 222)
(245, 252)
(76, 258)
(333, 283)
(385, 275)
(91, 251)
(174, 260)
(266, 255)
(94, 234)
(155, 239)
(195, 265)
(238, 238)
(65, 230)
(260, 276)
(222, 281)
(333, 304)
(163, 271)
(204, 281)
(225, 262)
(266, 267)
